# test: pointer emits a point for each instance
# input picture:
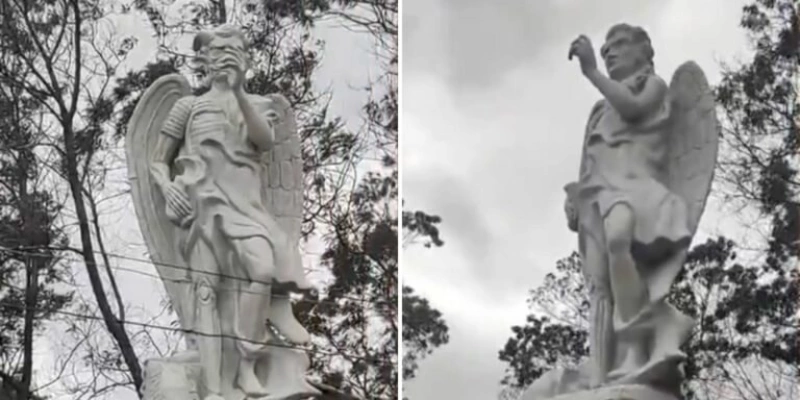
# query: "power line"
(188, 269)
(199, 333)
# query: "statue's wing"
(283, 186)
(694, 139)
(159, 233)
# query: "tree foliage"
(29, 270)
(48, 146)
(733, 305)
(424, 327)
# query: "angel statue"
(218, 189)
(648, 159)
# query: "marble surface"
(647, 164)
(217, 185)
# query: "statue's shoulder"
(184, 104)
(597, 107)
(268, 99)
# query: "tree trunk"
(114, 325)
(32, 265)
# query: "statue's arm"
(629, 104)
(571, 189)
(169, 142)
(570, 208)
(259, 130)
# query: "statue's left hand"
(582, 48)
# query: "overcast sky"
(492, 123)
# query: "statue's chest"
(217, 121)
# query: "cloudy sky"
(492, 123)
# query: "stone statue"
(648, 159)
(218, 189)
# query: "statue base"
(616, 392)
(179, 378)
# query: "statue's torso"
(220, 169)
(217, 121)
(617, 149)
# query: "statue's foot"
(290, 328)
(256, 349)
(248, 381)
(282, 318)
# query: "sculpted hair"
(639, 36)
(202, 39)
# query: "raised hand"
(582, 48)
(233, 65)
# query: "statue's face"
(622, 55)
(226, 52)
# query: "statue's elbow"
(159, 172)
(634, 113)
(263, 138)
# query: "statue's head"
(627, 50)
(216, 49)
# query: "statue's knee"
(259, 260)
(619, 244)
(261, 276)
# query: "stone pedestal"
(283, 373)
(621, 392)
(171, 379)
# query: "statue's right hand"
(572, 215)
(177, 200)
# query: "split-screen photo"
(399, 199)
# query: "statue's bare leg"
(672, 326)
(256, 257)
(228, 304)
(206, 322)
(601, 335)
(208, 338)
(629, 291)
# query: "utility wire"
(199, 333)
(188, 269)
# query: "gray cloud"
(473, 43)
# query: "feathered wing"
(160, 235)
(694, 139)
(283, 187)
(283, 178)
(692, 152)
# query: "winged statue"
(648, 162)
(217, 183)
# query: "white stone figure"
(648, 160)
(218, 188)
